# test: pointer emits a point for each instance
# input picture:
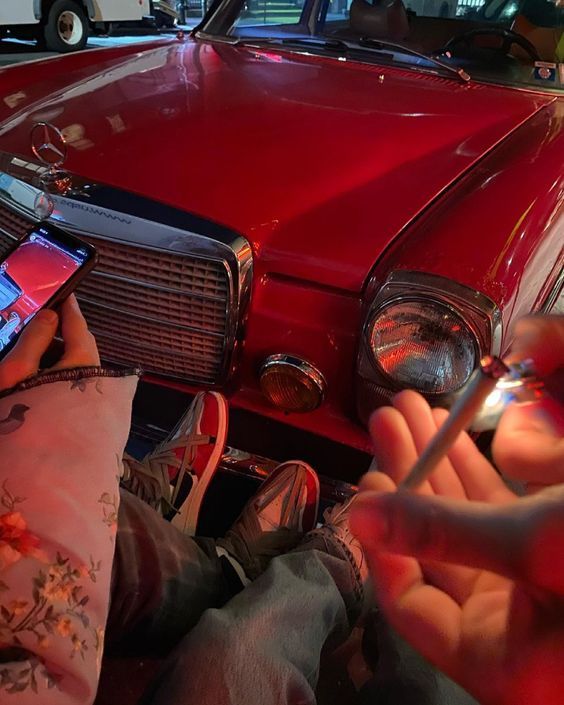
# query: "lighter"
(492, 386)
(520, 385)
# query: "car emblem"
(48, 144)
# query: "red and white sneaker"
(284, 508)
(175, 476)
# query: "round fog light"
(291, 384)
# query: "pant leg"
(401, 675)
(264, 646)
(162, 581)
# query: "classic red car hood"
(319, 162)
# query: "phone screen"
(33, 274)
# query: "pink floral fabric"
(61, 446)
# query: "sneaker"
(175, 476)
(273, 521)
(336, 528)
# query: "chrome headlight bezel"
(478, 312)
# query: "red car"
(307, 205)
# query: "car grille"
(164, 311)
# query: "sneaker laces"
(188, 442)
(188, 419)
(290, 502)
(337, 515)
(336, 529)
(148, 478)
(251, 545)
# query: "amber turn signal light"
(292, 384)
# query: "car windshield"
(516, 42)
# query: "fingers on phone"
(80, 346)
(23, 360)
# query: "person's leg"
(264, 646)
(162, 580)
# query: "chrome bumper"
(238, 462)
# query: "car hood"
(320, 163)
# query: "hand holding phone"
(80, 346)
(39, 272)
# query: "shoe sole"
(187, 518)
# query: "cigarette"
(481, 384)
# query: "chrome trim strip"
(111, 204)
(555, 293)
(86, 210)
(218, 38)
(238, 462)
(8, 235)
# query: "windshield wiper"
(384, 45)
(345, 47)
(333, 45)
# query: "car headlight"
(423, 345)
(424, 332)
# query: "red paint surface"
(319, 163)
(501, 229)
(326, 167)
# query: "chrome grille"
(11, 226)
(164, 311)
(137, 299)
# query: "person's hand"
(24, 358)
(476, 586)
(529, 442)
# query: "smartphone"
(39, 271)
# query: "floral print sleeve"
(60, 450)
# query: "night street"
(14, 51)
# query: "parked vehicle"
(165, 12)
(308, 215)
(64, 25)
(187, 9)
